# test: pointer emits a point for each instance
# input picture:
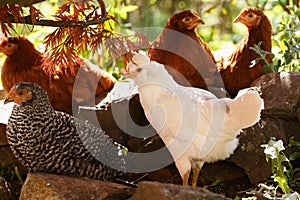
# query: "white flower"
(273, 147)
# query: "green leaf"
(296, 49)
(294, 156)
(297, 170)
(282, 183)
(269, 69)
(279, 63)
(286, 44)
(288, 56)
(297, 12)
(217, 182)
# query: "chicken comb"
(138, 59)
(246, 10)
(3, 41)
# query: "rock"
(163, 191)
(3, 139)
(10, 167)
(279, 119)
(40, 186)
(5, 190)
(125, 122)
(118, 119)
(280, 92)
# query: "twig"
(247, 2)
(284, 7)
(65, 24)
(264, 5)
(103, 8)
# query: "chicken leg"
(185, 180)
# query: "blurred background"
(219, 31)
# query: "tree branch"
(65, 24)
(284, 7)
(247, 2)
(21, 2)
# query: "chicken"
(194, 124)
(45, 140)
(23, 63)
(235, 69)
(179, 47)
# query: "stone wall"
(279, 119)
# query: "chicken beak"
(127, 75)
(8, 100)
(199, 21)
(239, 19)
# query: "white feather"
(5, 111)
(195, 125)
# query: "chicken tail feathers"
(245, 109)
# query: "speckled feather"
(45, 140)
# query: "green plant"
(269, 66)
(284, 173)
(286, 44)
(274, 152)
(287, 38)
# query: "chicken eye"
(139, 69)
(250, 15)
(21, 92)
(186, 19)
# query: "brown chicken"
(188, 59)
(235, 69)
(23, 63)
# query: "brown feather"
(188, 59)
(235, 69)
(23, 63)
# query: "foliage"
(65, 43)
(82, 26)
(287, 40)
(284, 173)
(75, 34)
(14, 177)
(16, 13)
(274, 151)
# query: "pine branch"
(65, 24)
(21, 2)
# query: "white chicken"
(194, 124)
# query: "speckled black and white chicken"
(45, 140)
